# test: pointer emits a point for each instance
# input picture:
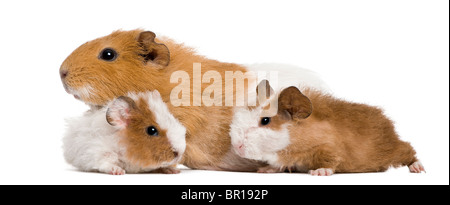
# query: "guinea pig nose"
(175, 154)
(240, 149)
(63, 73)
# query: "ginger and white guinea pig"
(133, 133)
(137, 61)
(337, 137)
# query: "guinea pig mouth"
(81, 93)
(65, 87)
(169, 163)
(71, 92)
(177, 158)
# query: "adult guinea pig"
(136, 61)
(338, 136)
(133, 133)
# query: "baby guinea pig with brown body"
(337, 137)
(133, 133)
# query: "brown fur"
(207, 127)
(142, 149)
(343, 136)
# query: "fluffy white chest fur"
(91, 144)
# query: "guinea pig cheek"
(239, 140)
(80, 90)
(264, 143)
(277, 140)
(251, 145)
(144, 151)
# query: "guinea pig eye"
(152, 131)
(265, 121)
(108, 54)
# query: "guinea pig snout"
(63, 73)
(240, 149)
(175, 154)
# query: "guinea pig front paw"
(321, 172)
(117, 171)
(168, 170)
(112, 169)
(268, 169)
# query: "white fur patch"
(85, 92)
(89, 141)
(81, 93)
(259, 143)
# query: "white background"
(389, 53)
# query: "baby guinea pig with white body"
(337, 137)
(133, 133)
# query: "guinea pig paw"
(268, 169)
(416, 167)
(321, 172)
(117, 171)
(169, 170)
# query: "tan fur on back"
(348, 137)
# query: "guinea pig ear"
(153, 52)
(118, 113)
(292, 102)
(264, 91)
